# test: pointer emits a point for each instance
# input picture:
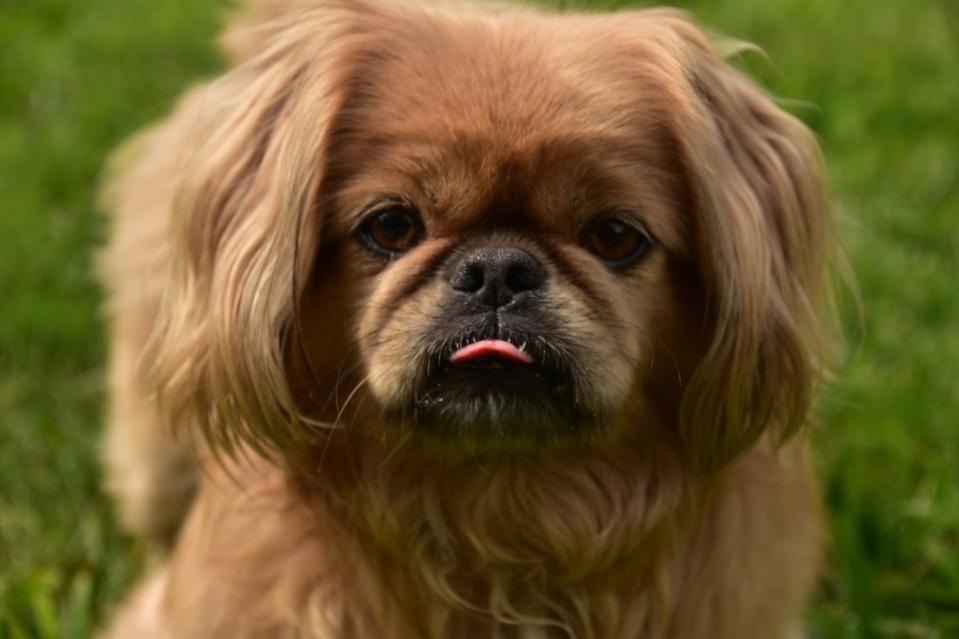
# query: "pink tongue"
(490, 348)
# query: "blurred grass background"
(879, 82)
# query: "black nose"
(494, 275)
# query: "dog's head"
(492, 230)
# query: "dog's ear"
(245, 223)
(762, 231)
(256, 24)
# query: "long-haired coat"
(455, 321)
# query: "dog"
(447, 320)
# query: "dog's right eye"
(391, 231)
(618, 243)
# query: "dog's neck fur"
(517, 546)
(576, 545)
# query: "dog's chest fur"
(266, 564)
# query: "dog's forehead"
(510, 78)
(522, 120)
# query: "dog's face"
(516, 231)
(515, 264)
(509, 292)
(518, 247)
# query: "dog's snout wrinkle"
(495, 275)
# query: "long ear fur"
(243, 213)
(763, 232)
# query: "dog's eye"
(615, 242)
(391, 231)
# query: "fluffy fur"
(261, 356)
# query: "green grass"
(881, 85)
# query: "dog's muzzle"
(497, 369)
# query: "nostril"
(524, 275)
(468, 277)
(494, 275)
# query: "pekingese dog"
(442, 321)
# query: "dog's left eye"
(391, 231)
(617, 243)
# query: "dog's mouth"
(495, 391)
(496, 372)
(496, 350)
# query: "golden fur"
(257, 349)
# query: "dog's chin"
(500, 405)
